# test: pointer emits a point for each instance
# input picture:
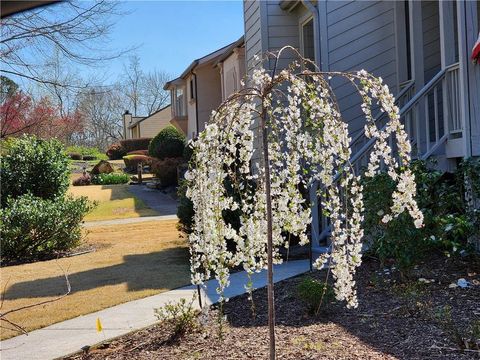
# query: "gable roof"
(213, 57)
(139, 119)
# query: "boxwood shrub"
(33, 228)
(169, 143)
(35, 166)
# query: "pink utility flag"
(476, 51)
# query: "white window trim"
(302, 21)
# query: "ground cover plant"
(110, 268)
(110, 179)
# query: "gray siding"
(361, 35)
(431, 39)
(253, 31)
(358, 35)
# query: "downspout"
(196, 104)
(316, 29)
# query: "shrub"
(88, 153)
(75, 156)
(110, 179)
(181, 316)
(447, 225)
(135, 144)
(169, 143)
(33, 227)
(138, 152)
(184, 209)
(31, 165)
(132, 161)
(315, 293)
(82, 180)
(116, 152)
(166, 170)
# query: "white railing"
(430, 116)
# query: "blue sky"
(171, 34)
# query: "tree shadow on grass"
(165, 269)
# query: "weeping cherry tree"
(294, 115)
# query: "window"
(193, 95)
(179, 101)
(308, 40)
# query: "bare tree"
(101, 110)
(154, 97)
(77, 30)
(133, 77)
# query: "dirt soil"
(415, 320)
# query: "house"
(135, 127)
(420, 48)
(204, 84)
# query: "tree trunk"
(270, 285)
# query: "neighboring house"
(420, 48)
(204, 85)
(135, 127)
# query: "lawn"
(114, 202)
(129, 262)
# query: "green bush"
(447, 225)
(87, 153)
(166, 170)
(181, 316)
(110, 179)
(185, 211)
(315, 293)
(132, 161)
(35, 166)
(32, 227)
(169, 143)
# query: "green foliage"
(447, 226)
(185, 209)
(166, 170)
(110, 179)
(35, 166)
(132, 161)
(169, 143)
(181, 316)
(32, 227)
(315, 293)
(86, 152)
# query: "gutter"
(196, 104)
(316, 30)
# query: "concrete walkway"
(155, 199)
(89, 224)
(70, 336)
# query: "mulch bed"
(412, 320)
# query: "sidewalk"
(70, 336)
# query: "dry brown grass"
(130, 262)
(114, 202)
